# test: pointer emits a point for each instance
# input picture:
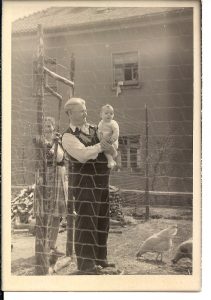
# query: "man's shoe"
(96, 270)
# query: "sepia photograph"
(101, 145)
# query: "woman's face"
(48, 127)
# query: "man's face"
(78, 114)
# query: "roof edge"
(91, 25)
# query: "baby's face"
(107, 115)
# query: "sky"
(22, 9)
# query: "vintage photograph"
(102, 141)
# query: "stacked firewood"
(22, 211)
(115, 204)
(22, 205)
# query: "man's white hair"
(72, 102)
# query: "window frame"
(135, 165)
(127, 84)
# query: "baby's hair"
(51, 120)
(107, 106)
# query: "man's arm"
(78, 150)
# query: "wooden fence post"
(41, 262)
(146, 167)
(70, 204)
(43, 219)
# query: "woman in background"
(56, 190)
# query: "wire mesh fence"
(153, 174)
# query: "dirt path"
(122, 249)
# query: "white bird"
(159, 242)
(183, 250)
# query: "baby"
(109, 130)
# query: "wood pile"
(115, 204)
(22, 207)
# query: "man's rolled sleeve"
(78, 150)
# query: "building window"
(125, 68)
(133, 158)
(129, 146)
(50, 63)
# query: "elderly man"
(90, 186)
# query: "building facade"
(131, 58)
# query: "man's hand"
(106, 146)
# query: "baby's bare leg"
(114, 154)
(111, 161)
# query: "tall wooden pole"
(146, 166)
(58, 77)
(72, 73)
(70, 204)
(41, 262)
